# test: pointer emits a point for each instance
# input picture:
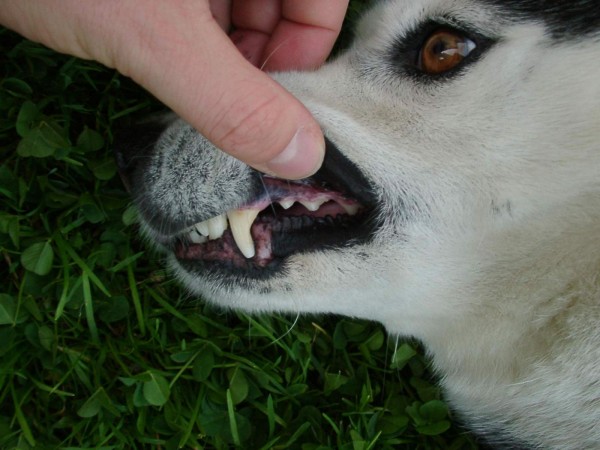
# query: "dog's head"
(463, 162)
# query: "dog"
(459, 204)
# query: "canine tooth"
(196, 237)
(216, 226)
(286, 204)
(202, 228)
(312, 205)
(240, 221)
(351, 210)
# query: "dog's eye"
(444, 50)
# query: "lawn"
(99, 346)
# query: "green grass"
(100, 348)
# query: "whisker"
(289, 330)
(272, 53)
(272, 204)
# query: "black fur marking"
(565, 19)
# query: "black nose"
(131, 147)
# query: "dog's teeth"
(216, 226)
(351, 210)
(202, 228)
(240, 221)
(286, 204)
(312, 205)
(196, 237)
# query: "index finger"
(301, 36)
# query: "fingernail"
(301, 158)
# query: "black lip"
(339, 234)
(342, 174)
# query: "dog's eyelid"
(405, 52)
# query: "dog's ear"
(132, 143)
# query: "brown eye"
(443, 51)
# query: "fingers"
(305, 36)
(201, 75)
(288, 34)
(221, 11)
(62, 25)
(179, 52)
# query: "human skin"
(180, 51)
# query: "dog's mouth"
(330, 210)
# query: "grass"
(99, 347)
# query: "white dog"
(459, 204)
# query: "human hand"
(178, 50)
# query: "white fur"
(489, 249)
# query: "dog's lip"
(345, 187)
(284, 206)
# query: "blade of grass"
(181, 371)
(21, 418)
(62, 301)
(301, 429)
(130, 110)
(271, 444)
(51, 390)
(168, 307)
(269, 411)
(19, 299)
(271, 415)
(126, 262)
(374, 441)
(232, 420)
(135, 296)
(89, 308)
(332, 423)
(190, 426)
(60, 241)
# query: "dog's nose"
(132, 146)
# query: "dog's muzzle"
(333, 208)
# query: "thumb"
(204, 78)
